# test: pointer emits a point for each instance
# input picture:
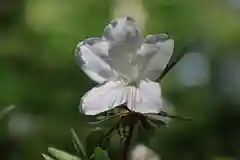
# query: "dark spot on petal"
(91, 41)
(162, 37)
(78, 56)
(130, 19)
(152, 39)
(114, 23)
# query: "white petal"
(123, 30)
(103, 98)
(125, 40)
(147, 98)
(88, 54)
(122, 61)
(159, 49)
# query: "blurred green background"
(39, 75)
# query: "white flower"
(126, 65)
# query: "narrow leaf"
(61, 155)
(93, 139)
(107, 118)
(165, 114)
(46, 157)
(174, 60)
(77, 144)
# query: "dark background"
(39, 75)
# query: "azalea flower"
(126, 65)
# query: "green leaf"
(110, 115)
(100, 154)
(92, 140)
(6, 110)
(46, 157)
(61, 155)
(77, 144)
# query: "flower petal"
(123, 30)
(125, 40)
(158, 50)
(103, 98)
(147, 98)
(88, 54)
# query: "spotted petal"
(158, 50)
(88, 54)
(125, 40)
(123, 30)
